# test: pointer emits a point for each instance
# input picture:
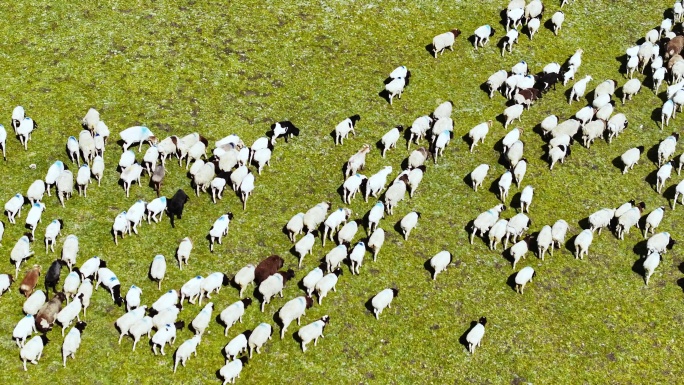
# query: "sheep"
(516, 226)
(666, 112)
(660, 243)
(25, 129)
(504, 185)
(334, 257)
(409, 222)
(127, 159)
(176, 204)
(233, 313)
(616, 124)
(478, 133)
(183, 251)
(20, 251)
(497, 233)
(667, 147)
(72, 341)
(150, 159)
(36, 191)
(86, 143)
(246, 188)
(91, 119)
(579, 88)
(678, 190)
(36, 300)
(219, 183)
(486, 220)
(48, 312)
(526, 198)
(482, 35)
(97, 169)
(108, 279)
(508, 40)
(67, 314)
(601, 219)
(630, 89)
(376, 182)
(28, 284)
(211, 283)
(557, 21)
(129, 175)
(495, 82)
(357, 161)
(678, 11)
(73, 150)
(558, 231)
(474, 336)
(261, 158)
(166, 300)
(166, 334)
(5, 282)
(219, 229)
(512, 113)
(259, 336)
(653, 220)
(120, 226)
(444, 41)
(166, 316)
(346, 126)
(89, 268)
(184, 144)
(33, 349)
(326, 284)
(167, 147)
(102, 130)
(201, 322)
(549, 123)
(305, 245)
(274, 285)
(558, 153)
(524, 276)
(191, 289)
(439, 263)
(24, 328)
(333, 222)
(65, 186)
(519, 249)
(347, 232)
(650, 264)
(71, 284)
(663, 175)
(247, 275)
(293, 309)
(137, 134)
(419, 128)
(135, 215)
(514, 153)
(395, 194)
(18, 114)
(156, 207)
(356, 257)
(133, 298)
(582, 243)
(312, 331)
(13, 207)
(310, 280)
(158, 269)
(83, 179)
(86, 291)
(375, 214)
(395, 88)
(34, 216)
(658, 77)
(237, 345)
(140, 328)
(417, 157)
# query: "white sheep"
(305, 246)
(650, 264)
(262, 158)
(133, 297)
(351, 186)
(73, 150)
(137, 134)
(212, 283)
(486, 220)
(69, 312)
(582, 243)
(86, 144)
(259, 336)
(443, 41)
(510, 38)
(85, 290)
(72, 342)
(13, 207)
(526, 198)
(98, 168)
(495, 81)
(514, 154)
(334, 258)
(24, 329)
(326, 284)
(83, 179)
(219, 229)
(5, 282)
(478, 175)
(20, 251)
(375, 214)
(230, 371)
(440, 262)
(558, 231)
(576, 59)
(233, 313)
(631, 157)
(120, 226)
(418, 129)
(347, 232)
(295, 226)
(64, 185)
(357, 161)
(158, 269)
(478, 133)
(549, 123)
(679, 190)
(663, 175)
(316, 215)
(376, 182)
(666, 148)
(417, 157)
(191, 289)
(18, 114)
(33, 349)
(389, 140)
(557, 21)
(512, 113)
(333, 222)
(558, 153)
(666, 113)
(344, 127)
(517, 225)
(312, 331)
(201, 321)
(36, 191)
(71, 284)
(135, 215)
(33, 303)
(474, 336)
(630, 89)
(533, 26)
(653, 220)
(395, 88)
(658, 77)
(660, 243)
(183, 251)
(616, 124)
(497, 233)
(579, 88)
(601, 219)
(356, 257)
(519, 249)
(482, 35)
(34, 216)
(164, 335)
(293, 309)
(140, 328)
(382, 300)
(25, 129)
(524, 276)
(395, 194)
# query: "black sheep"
(52, 276)
(175, 205)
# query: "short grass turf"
(236, 67)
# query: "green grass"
(237, 67)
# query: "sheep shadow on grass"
(385, 95)
(515, 201)
(463, 338)
(652, 154)
(494, 188)
(640, 248)
(427, 266)
(570, 245)
(503, 18)
(430, 49)
(623, 59)
(638, 268)
(584, 223)
(548, 24)
(670, 193)
(485, 88)
(501, 118)
(652, 179)
(655, 116)
(468, 180)
(617, 162)
(398, 229)
(511, 281)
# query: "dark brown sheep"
(267, 268)
(674, 47)
(47, 314)
(28, 284)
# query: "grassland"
(236, 67)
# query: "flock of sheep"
(230, 165)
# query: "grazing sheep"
(135, 215)
(191, 289)
(616, 124)
(33, 349)
(246, 188)
(72, 341)
(417, 158)
(390, 139)
(443, 110)
(86, 143)
(156, 207)
(526, 198)
(601, 219)
(439, 263)
(395, 194)
(305, 245)
(444, 41)
(512, 113)
(334, 257)
(36, 191)
(650, 264)
(346, 126)
(653, 219)
(486, 220)
(533, 26)
(310, 280)
(441, 141)
(127, 158)
(395, 88)
(98, 168)
(517, 225)
(186, 349)
(495, 82)
(347, 232)
(558, 231)
(18, 114)
(524, 276)
(418, 129)
(519, 249)
(140, 328)
(376, 182)
(312, 331)
(164, 335)
(120, 226)
(316, 215)
(167, 147)
(71, 284)
(73, 150)
(482, 35)
(64, 185)
(52, 174)
(91, 119)
(666, 113)
(25, 129)
(237, 345)
(666, 148)
(48, 312)
(150, 159)
(679, 190)
(108, 279)
(295, 226)
(213, 283)
(579, 88)
(478, 133)
(28, 284)
(233, 313)
(166, 300)
(515, 153)
(356, 257)
(133, 298)
(259, 336)
(544, 241)
(631, 157)
(327, 283)
(557, 20)
(69, 312)
(585, 115)
(20, 251)
(183, 251)
(261, 158)
(201, 322)
(474, 336)
(137, 134)
(83, 179)
(660, 243)
(219, 229)
(13, 207)
(333, 222)
(85, 290)
(263, 270)
(549, 123)
(24, 329)
(35, 302)
(558, 153)
(176, 204)
(497, 233)
(34, 216)
(293, 309)
(357, 161)
(375, 214)
(102, 130)
(508, 40)
(158, 269)
(582, 243)
(5, 282)
(409, 222)
(89, 268)
(274, 285)
(663, 175)
(630, 89)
